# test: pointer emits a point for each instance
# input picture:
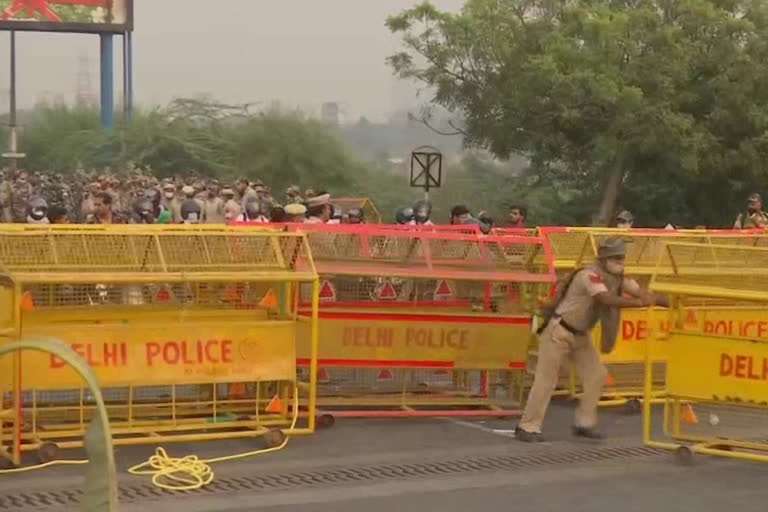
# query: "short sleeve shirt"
(579, 308)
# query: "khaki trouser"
(555, 344)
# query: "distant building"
(330, 113)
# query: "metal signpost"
(426, 169)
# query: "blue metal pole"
(130, 73)
(127, 74)
(107, 82)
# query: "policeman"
(590, 294)
(754, 217)
(170, 202)
(37, 211)
(5, 198)
(625, 220)
(319, 209)
(355, 216)
(404, 215)
(246, 192)
(21, 193)
(422, 210)
(143, 212)
(191, 212)
(295, 212)
(293, 195)
(213, 210)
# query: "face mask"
(614, 267)
(169, 195)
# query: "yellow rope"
(190, 472)
(177, 474)
(45, 465)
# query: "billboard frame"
(72, 27)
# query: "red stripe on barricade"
(395, 317)
(376, 363)
(371, 304)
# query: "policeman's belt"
(571, 329)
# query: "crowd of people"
(141, 198)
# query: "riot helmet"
(355, 216)
(191, 212)
(404, 215)
(422, 211)
(37, 211)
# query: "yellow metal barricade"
(370, 213)
(191, 332)
(716, 399)
(418, 322)
(574, 248)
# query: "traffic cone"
(322, 376)
(275, 405)
(610, 381)
(237, 391)
(269, 301)
(688, 416)
(27, 302)
(163, 295)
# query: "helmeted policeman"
(591, 294)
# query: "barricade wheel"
(684, 456)
(326, 421)
(274, 438)
(6, 463)
(633, 406)
(47, 452)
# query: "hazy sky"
(298, 52)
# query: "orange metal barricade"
(423, 321)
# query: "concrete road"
(428, 464)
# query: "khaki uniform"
(751, 221)
(579, 312)
(5, 201)
(173, 206)
(248, 195)
(213, 211)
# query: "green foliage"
(67, 13)
(665, 99)
(193, 136)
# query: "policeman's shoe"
(587, 433)
(528, 437)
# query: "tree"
(201, 136)
(650, 98)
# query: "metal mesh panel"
(84, 297)
(728, 272)
(151, 251)
(370, 212)
(394, 387)
(572, 247)
(342, 250)
(66, 413)
(712, 420)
